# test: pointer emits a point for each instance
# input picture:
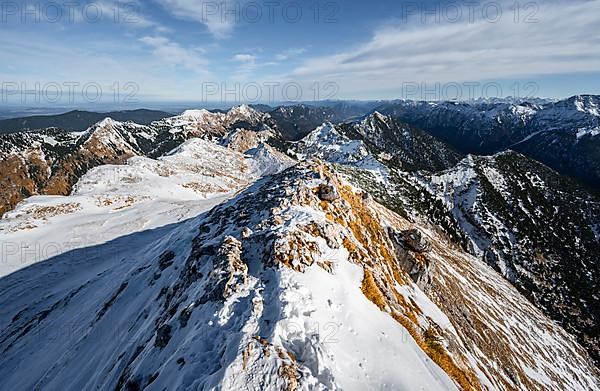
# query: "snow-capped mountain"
(561, 134)
(51, 161)
(295, 122)
(204, 251)
(377, 143)
(471, 127)
(215, 123)
(402, 145)
(26, 162)
(328, 143)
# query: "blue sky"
(191, 50)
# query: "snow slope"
(115, 200)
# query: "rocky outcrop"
(414, 241)
(230, 256)
(410, 250)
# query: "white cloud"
(247, 58)
(287, 54)
(565, 40)
(219, 17)
(155, 66)
(248, 64)
(174, 54)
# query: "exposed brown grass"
(367, 229)
(371, 290)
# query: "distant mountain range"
(77, 120)
(296, 120)
(562, 134)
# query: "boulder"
(328, 192)
(414, 241)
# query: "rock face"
(410, 248)
(417, 266)
(414, 241)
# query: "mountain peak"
(588, 104)
(378, 115)
(323, 133)
(195, 114)
(107, 122)
(104, 128)
(375, 119)
(244, 113)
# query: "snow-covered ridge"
(270, 290)
(215, 123)
(568, 114)
(51, 161)
(195, 114)
(141, 194)
(587, 104)
(585, 132)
